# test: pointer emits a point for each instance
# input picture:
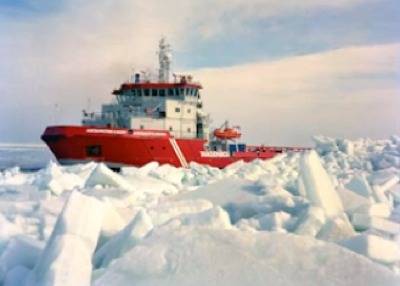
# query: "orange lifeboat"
(227, 133)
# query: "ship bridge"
(156, 105)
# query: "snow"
(330, 216)
(353, 202)
(384, 181)
(53, 178)
(360, 185)
(223, 192)
(81, 216)
(379, 210)
(374, 247)
(318, 185)
(215, 217)
(364, 222)
(66, 259)
(112, 221)
(7, 230)
(227, 257)
(102, 175)
(169, 174)
(166, 211)
(311, 222)
(20, 251)
(16, 276)
(336, 229)
(124, 240)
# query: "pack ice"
(328, 216)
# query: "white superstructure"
(163, 105)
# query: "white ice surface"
(102, 175)
(66, 259)
(124, 240)
(20, 251)
(65, 262)
(318, 184)
(336, 228)
(359, 184)
(374, 247)
(54, 179)
(352, 201)
(284, 221)
(364, 221)
(378, 210)
(226, 257)
(16, 276)
(310, 222)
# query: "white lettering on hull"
(106, 131)
(122, 132)
(152, 134)
(214, 154)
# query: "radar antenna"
(164, 56)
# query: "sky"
(282, 70)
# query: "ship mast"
(164, 57)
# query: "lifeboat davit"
(227, 133)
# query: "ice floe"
(330, 216)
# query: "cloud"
(54, 62)
(216, 17)
(66, 58)
(350, 92)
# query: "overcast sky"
(283, 70)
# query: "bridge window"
(139, 92)
(162, 92)
(182, 91)
(154, 92)
(146, 92)
(133, 92)
(170, 91)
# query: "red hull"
(119, 147)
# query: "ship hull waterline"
(123, 147)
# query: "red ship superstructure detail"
(159, 121)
